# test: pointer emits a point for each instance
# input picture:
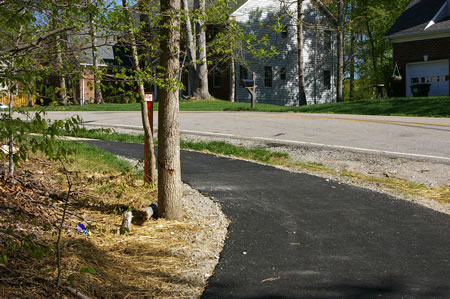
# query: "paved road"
(407, 136)
(299, 236)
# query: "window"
(217, 79)
(243, 74)
(425, 79)
(435, 79)
(327, 79)
(445, 78)
(414, 80)
(327, 41)
(268, 76)
(284, 32)
(283, 73)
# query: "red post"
(149, 101)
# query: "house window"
(217, 79)
(283, 73)
(425, 79)
(414, 80)
(445, 78)
(243, 74)
(327, 41)
(268, 76)
(284, 32)
(435, 79)
(327, 79)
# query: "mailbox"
(248, 83)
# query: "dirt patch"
(157, 259)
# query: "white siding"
(259, 17)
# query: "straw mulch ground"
(156, 259)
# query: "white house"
(277, 76)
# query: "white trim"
(428, 62)
(241, 7)
(90, 64)
(436, 16)
(416, 36)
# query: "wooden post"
(252, 90)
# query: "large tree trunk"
(301, 67)
(202, 90)
(62, 79)
(340, 53)
(169, 170)
(191, 49)
(98, 98)
(144, 110)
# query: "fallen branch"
(76, 293)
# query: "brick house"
(421, 46)
(277, 77)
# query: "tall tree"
(169, 169)
(62, 78)
(301, 66)
(144, 109)
(98, 98)
(340, 52)
(196, 48)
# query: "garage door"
(434, 73)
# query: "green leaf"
(88, 270)
(71, 278)
(3, 259)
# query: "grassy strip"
(425, 106)
(224, 148)
(107, 134)
(84, 155)
(438, 193)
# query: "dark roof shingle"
(417, 16)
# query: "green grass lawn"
(426, 106)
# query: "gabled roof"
(319, 3)
(421, 16)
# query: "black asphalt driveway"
(299, 236)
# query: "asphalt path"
(299, 236)
(423, 138)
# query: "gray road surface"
(406, 136)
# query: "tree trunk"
(144, 110)
(372, 45)
(11, 138)
(29, 99)
(98, 99)
(352, 64)
(62, 79)
(169, 170)
(301, 68)
(233, 80)
(340, 53)
(201, 91)
(191, 49)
